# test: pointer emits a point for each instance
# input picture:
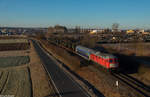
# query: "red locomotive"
(107, 61)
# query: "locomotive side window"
(111, 60)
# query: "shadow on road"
(90, 86)
(62, 93)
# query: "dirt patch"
(22, 74)
(13, 61)
(14, 76)
(15, 81)
(14, 53)
(14, 72)
(14, 46)
(143, 75)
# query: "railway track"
(138, 86)
(66, 87)
(135, 84)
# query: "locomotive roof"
(97, 53)
(86, 49)
(104, 55)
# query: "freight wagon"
(108, 61)
(84, 52)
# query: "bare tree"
(89, 41)
(50, 32)
(77, 29)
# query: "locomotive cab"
(113, 62)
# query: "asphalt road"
(66, 86)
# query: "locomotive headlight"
(113, 65)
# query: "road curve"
(65, 85)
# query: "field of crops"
(8, 41)
(15, 82)
(14, 61)
(14, 44)
(14, 53)
(12, 37)
(15, 76)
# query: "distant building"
(93, 32)
(4, 30)
(130, 31)
(145, 33)
(140, 31)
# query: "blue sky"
(84, 13)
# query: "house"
(130, 31)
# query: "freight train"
(107, 61)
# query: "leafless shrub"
(89, 41)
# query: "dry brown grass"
(63, 55)
(143, 75)
(104, 84)
(12, 81)
(89, 73)
(14, 53)
(138, 49)
(16, 80)
(39, 78)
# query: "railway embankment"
(135, 57)
(93, 74)
(41, 84)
